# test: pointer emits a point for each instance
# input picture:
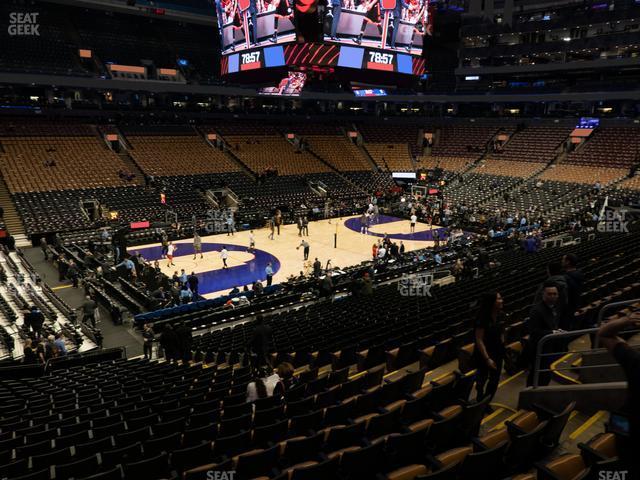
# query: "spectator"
(285, 372)
(44, 247)
(367, 285)
(263, 385)
(185, 341)
(269, 273)
(326, 285)
(30, 355)
(543, 320)
(185, 294)
(60, 345)
(629, 360)
(575, 281)
(89, 307)
(50, 349)
(129, 266)
(530, 244)
(40, 351)
(193, 281)
(554, 270)
(74, 274)
(260, 343)
(489, 344)
(170, 343)
(317, 268)
(148, 337)
(34, 321)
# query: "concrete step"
(22, 240)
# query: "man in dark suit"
(397, 15)
(185, 341)
(543, 320)
(261, 341)
(336, 10)
(34, 320)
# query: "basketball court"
(283, 253)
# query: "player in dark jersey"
(372, 17)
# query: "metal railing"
(575, 334)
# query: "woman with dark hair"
(264, 383)
(489, 344)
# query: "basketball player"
(372, 16)
(197, 245)
(252, 242)
(171, 248)
(165, 244)
(414, 219)
(224, 254)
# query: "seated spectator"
(263, 385)
(285, 372)
(59, 343)
(30, 355)
(185, 294)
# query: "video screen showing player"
(386, 24)
(245, 24)
(290, 86)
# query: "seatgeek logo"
(24, 24)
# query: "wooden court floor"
(287, 259)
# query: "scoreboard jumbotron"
(310, 55)
(375, 36)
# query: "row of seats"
(38, 163)
(262, 153)
(463, 141)
(583, 174)
(534, 144)
(393, 157)
(178, 155)
(494, 166)
(614, 147)
(339, 151)
(449, 164)
(386, 321)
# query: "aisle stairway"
(11, 217)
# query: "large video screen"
(291, 85)
(381, 24)
(246, 24)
